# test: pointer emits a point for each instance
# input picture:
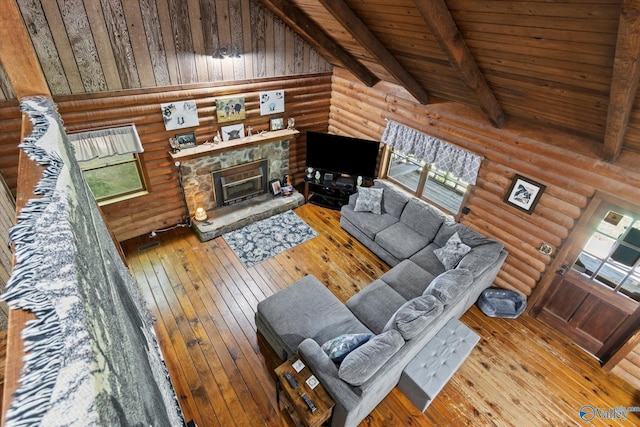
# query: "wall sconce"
(226, 52)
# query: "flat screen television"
(342, 154)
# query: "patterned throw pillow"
(338, 347)
(369, 200)
(452, 252)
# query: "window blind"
(432, 150)
(106, 142)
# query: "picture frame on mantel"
(276, 124)
(232, 132)
(186, 140)
(275, 185)
(524, 193)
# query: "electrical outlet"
(546, 248)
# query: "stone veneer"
(197, 178)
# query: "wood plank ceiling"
(571, 64)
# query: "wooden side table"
(290, 399)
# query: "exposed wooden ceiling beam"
(314, 35)
(17, 55)
(445, 30)
(624, 82)
(350, 21)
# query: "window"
(424, 180)
(110, 162)
(114, 177)
(611, 257)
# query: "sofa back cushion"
(481, 257)
(415, 315)
(423, 218)
(468, 235)
(393, 199)
(449, 285)
(363, 362)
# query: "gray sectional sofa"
(402, 310)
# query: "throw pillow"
(369, 200)
(338, 347)
(449, 285)
(414, 316)
(362, 363)
(452, 252)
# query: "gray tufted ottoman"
(431, 369)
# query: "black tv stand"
(332, 194)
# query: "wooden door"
(594, 296)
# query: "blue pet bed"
(502, 303)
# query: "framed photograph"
(232, 132)
(271, 102)
(275, 186)
(230, 109)
(186, 140)
(524, 193)
(179, 115)
(277, 124)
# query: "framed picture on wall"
(230, 109)
(524, 193)
(179, 115)
(186, 140)
(271, 102)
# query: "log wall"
(306, 99)
(569, 168)
(7, 220)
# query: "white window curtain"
(106, 142)
(432, 150)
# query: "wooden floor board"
(204, 299)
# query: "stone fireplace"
(198, 173)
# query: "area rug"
(266, 238)
(93, 358)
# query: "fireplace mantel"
(210, 149)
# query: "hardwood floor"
(521, 373)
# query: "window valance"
(432, 150)
(106, 142)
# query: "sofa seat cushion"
(367, 222)
(400, 240)
(305, 309)
(375, 304)
(427, 260)
(415, 315)
(423, 218)
(363, 362)
(408, 279)
(393, 199)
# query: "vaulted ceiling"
(571, 64)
